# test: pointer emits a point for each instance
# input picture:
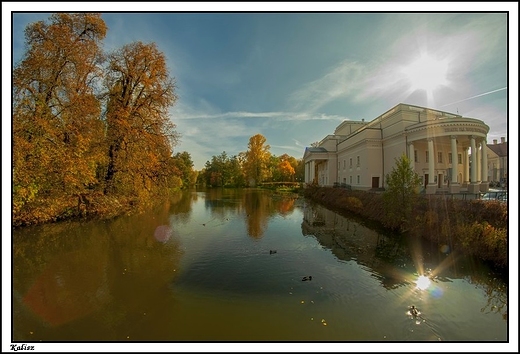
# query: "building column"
(465, 162)
(477, 161)
(411, 154)
(466, 166)
(431, 188)
(454, 185)
(484, 185)
(313, 171)
(473, 187)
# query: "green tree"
(401, 193)
(273, 172)
(184, 168)
(236, 171)
(223, 171)
(299, 170)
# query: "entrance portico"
(445, 144)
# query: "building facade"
(497, 161)
(445, 149)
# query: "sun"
(426, 73)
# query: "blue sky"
(293, 77)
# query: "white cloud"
(341, 81)
(301, 116)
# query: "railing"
(342, 185)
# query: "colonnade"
(310, 171)
(475, 177)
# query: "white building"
(497, 161)
(444, 149)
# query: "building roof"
(316, 149)
(499, 149)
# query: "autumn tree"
(286, 166)
(57, 131)
(256, 159)
(286, 170)
(401, 191)
(140, 134)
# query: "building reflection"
(396, 260)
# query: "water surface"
(227, 265)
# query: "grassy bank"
(474, 227)
(95, 205)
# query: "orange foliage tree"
(85, 124)
(140, 135)
(57, 131)
(257, 158)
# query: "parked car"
(495, 194)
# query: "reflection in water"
(349, 240)
(244, 275)
(397, 261)
(257, 206)
(96, 280)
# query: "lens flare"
(423, 282)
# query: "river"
(246, 265)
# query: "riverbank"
(474, 227)
(94, 205)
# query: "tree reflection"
(180, 205)
(496, 293)
(258, 207)
(90, 278)
(394, 260)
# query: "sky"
(294, 77)
(294, 71)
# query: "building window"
(460, 158)
(351, 162)
(358, 179)
(358, 160)
(344, 164)
(427, 158)
(415, 158)
(350, 179)
(450, 158)
(439, 156)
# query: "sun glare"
(426, 73)
(423, 282)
